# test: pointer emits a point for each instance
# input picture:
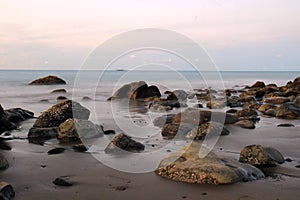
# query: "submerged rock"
(56, 151)
(48, 80)
(74, 129)
(286, 125)
(123, 142)
(186, 166)
(260, 156)
(62, 182)
(60, 112)
(59, 91)
(3, 162)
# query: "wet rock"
(198, 105)
(249, 124)
(286, 125)
(48, 80)
(123, 142)
(136, 90)
(215, 104)
(271, 112)
(288, 111)
(232, 111)
(297, 101)
(79, 148)
(277, 100)
(86, 98)
(42, 133)
(266, 106)
(186, 166)
(208, 129)
(60, 112)
(62, 182)
(177, 95)
(169, 131)
(6, 191)
(247, 99)
(59, 91)
(56, 151)
(3, 162)
(260, 156)
(109, 132)
(296, 83)
(258, 84)
(246, 112)
(16, 115)
(74, 129)
(4, 145)
(162, 120)
(61, 98)
(44, 101)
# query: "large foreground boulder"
(260, 156)
(48, 80)
(136, 90)
(74, 129)
(186, 166)
(60, 112)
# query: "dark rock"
(297, 166)
(198, 105)
(208, 129)
(3, 162)
(5, 124)
(48, 80)
(258, 84)
(4, 145)
(121, 188)
(286, 125)
(16, 115)
(249, 124)
(179, 95)
(288, 160)
(109, 132)
(42, 133)
(271, 112)
(79, 148)
(6, 191)
(165, 105)
(59, 91)
(266, 106)
(232, 111)
(74, 129)
(162, 120)
(60, 98)
(247, 99)
(246, 112)
(123, 142)
(169, 131)
(186, 166)
(86, 98)
(60, 112)
(62, 182)
(288, 111)
(56, 151)
(260, 156)
(277, 100)
(44, 101)
(297, 101)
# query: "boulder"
(288, 111)
(136, 90)
(3, 162)
(186, 166)
(59, 91)
(42, 134)
(266, 106)
(297, 101)
(123, 142)
(74, 129)
(16, 115)
(169, 131)
(60, 112)
(276, 100)
(246, 112)
(260, 156)
(6, 191)
(249, 124)
(208, 129)
(258, 84)
(48, 80)
(162, 120)
(178, 95)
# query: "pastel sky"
(238, 35)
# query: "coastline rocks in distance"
(48, 80)
(3, 162)
(208, 129)
(186, 166)
(135, 91)
(125, 143)
(260, 156)
(60, 112)
(74, 129)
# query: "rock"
(165, 105)
(247, 99)
(215, 104)
(260, 156)
(249, 124)
(60, 112)
(123, 142)
(109, 132)
(48, 80)
(266, 106)
(42, 133)
(296, 83)
(3, 162)
(288, 111)
(162, 120)
(74, 129)
(44, 101)
(136, 90)
(258, 84)
(210, 129)
(297, 101)
(6, 191)
(246, 112)
(86, 98)
(62, 182)
(16, 115)
(169, 131)
(59, 91)
(79, 148)
(61, 98)
(186, 166)
(285, 125)
(5, 123)
(56, 151)
(271, 112)
(177, 95)
(198, 105)
(4, 145)
(276, 100)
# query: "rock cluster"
(48, 80)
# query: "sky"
(237, 35)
